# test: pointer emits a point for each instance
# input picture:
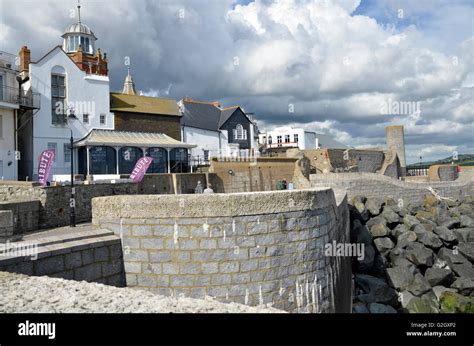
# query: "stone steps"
(50, 245)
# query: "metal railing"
(7, 60)
(31, 100)
(282, 145)
(417, 170)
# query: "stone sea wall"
(254, 248)
(53, 207)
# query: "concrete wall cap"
(213, 205)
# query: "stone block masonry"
(36, 207)
(6, 225)
(252, 248)
(24, 215)
(260, 174)
(92, 256)
(377, 186)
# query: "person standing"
(208, 189)
(199, 188)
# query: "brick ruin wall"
(443, 173)
(251, 248)
(353, 160)
(255, 174)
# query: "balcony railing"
(7, 60)
(30, 101)
(11, 95)
(282, 144)
(417, 170)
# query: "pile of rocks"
(417, 257)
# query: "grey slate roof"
(205, 116)
(201, 115)
(226, 114)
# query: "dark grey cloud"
(335, 68)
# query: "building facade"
(143, 113)
(13, 105)
(73, 81)
(216, 131)
(288, 137)
(107, 152)
(9, 106)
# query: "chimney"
(216, 104)
(25, 59)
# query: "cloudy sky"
(343, 67)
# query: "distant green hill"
(463, 160)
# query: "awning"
(126, 138)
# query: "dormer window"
(240, 133)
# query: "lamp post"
(72, 200)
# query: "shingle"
(143, 104)
(201, 115)
(206, 115)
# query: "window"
(1, 126)
(73, 43)
(102, 119)
(240, 133)
(279, 141)
(67, 152)
(53, 146)
(295, 138)
(85, 118)
(58, 99)
(287, 138)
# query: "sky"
(347, 68)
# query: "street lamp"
(72, 201)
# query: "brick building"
(145, 114)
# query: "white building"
(288, 137)
(71, 78)
(216, 131)
(13, 105)
(9, 106)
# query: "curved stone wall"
(252, 248)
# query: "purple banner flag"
(46, 160)
(140, 169)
